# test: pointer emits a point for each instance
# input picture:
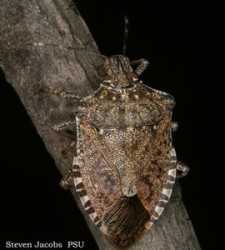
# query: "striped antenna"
(126, 23)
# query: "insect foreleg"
(142, 65)
(57, 91)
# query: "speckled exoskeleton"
(125, 164)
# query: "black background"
(175, 39)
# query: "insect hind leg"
(182, 169)
(73, 174)
(67, 181)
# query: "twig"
(31, 69)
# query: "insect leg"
(174, 126)
(63, 125)
(62, 93)
(182, 169)
(73, 173)
(66, 128)
(142, 65)
(67, 180)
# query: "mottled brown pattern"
(125, 145)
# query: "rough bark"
(32, 66)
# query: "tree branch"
(32, 66)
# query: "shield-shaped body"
(125, 164)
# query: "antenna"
(126, 23)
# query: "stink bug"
(125, 165)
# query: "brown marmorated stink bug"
(125, 164)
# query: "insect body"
(125, 164)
